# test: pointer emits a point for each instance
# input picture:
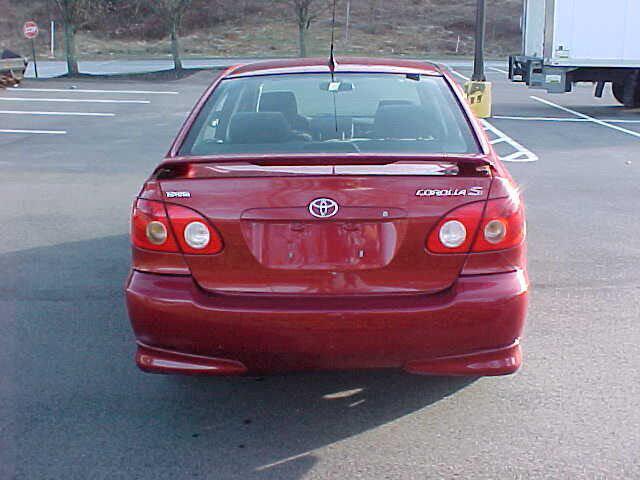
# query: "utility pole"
(478, 60)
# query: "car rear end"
(378, 241)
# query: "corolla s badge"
(323, 208)
(450, 192)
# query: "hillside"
(120, 28)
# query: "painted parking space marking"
(587, 117)
(540, 119)
(36, 132)
(499, 70)
(82, 90)
(510, 149)
(520, 153)
(71, 100)
(27, 96)
(563, 119)
(71, 114)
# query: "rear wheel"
(632, 98)
(618, 91)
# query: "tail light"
(173, 229)
(464, 218)
(194, 233)
(149, 224)
(503, 225)
(467, 228)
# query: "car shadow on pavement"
(77, 407)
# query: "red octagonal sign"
(30, 29)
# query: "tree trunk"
(302, 40)
(175, 46)
(70, 48)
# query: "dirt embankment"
(120, 28)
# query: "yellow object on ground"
(479, 98)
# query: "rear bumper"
(473, 328)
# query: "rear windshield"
(311, 113)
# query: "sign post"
(53, 40)
(478, 59)
(30, 31)
(478, 90)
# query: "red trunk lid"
(374, 244)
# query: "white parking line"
(80, 90)
(521, 154)
(70, 100)
(464, 77)
(71, 114)
(562, 119)
(498, 70)
(44, 132)
(586, 117)
(539, 119)
(267, 466)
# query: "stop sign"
(30, 30)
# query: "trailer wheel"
(618, 91)
(628, 92)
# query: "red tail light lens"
(503, 225)
(467, 216)
(182, 229)
(150, 227)
(193, 232)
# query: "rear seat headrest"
(390, 102)
(258, 127)
(404, 122)
(284, 102)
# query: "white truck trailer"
(569, 41)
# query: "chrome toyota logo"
(323, 208)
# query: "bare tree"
(172, 12)
(72, 13)
(305, 11)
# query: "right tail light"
(503, 225)
(478, 227)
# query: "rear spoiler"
(270, 165)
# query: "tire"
(632, 99)
(618, 91)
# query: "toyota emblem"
(323, 208)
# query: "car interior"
(251, 119)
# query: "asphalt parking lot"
(74, 406)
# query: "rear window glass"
(310, 113)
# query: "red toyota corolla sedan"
(309, 218)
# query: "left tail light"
(172, 229)
(194, 233)
(148, 223)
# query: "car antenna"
(332, 60)
(332, 64)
